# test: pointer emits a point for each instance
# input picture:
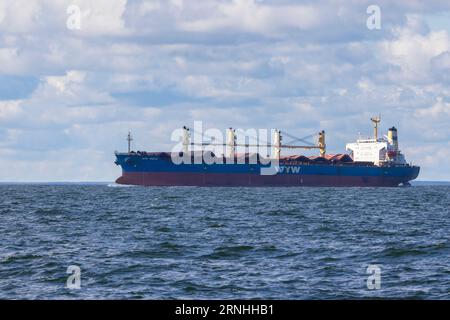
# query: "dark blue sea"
(223, 243)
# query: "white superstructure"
(377, 150)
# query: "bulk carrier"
(371, 162)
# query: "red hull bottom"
(252, 180)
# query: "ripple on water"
(284, 243)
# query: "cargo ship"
(370, 162)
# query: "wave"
(116, 185)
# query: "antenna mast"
(129, 139)
(376, 121)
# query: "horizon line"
(107, 182)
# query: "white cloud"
(10, 109)
(20, 16)
(253, 16)
(102, 17)
(414, 52)
(62, 83)
(439, 111)
(149, 6)
(10, 62)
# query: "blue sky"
(69, 97)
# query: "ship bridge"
(377, 150)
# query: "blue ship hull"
(157, 169)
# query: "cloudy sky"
(69, 96)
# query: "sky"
(69, 93)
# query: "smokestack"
(393, 138)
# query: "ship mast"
(129, 139)
(276, 145)
(321, 143)
(376, 121)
